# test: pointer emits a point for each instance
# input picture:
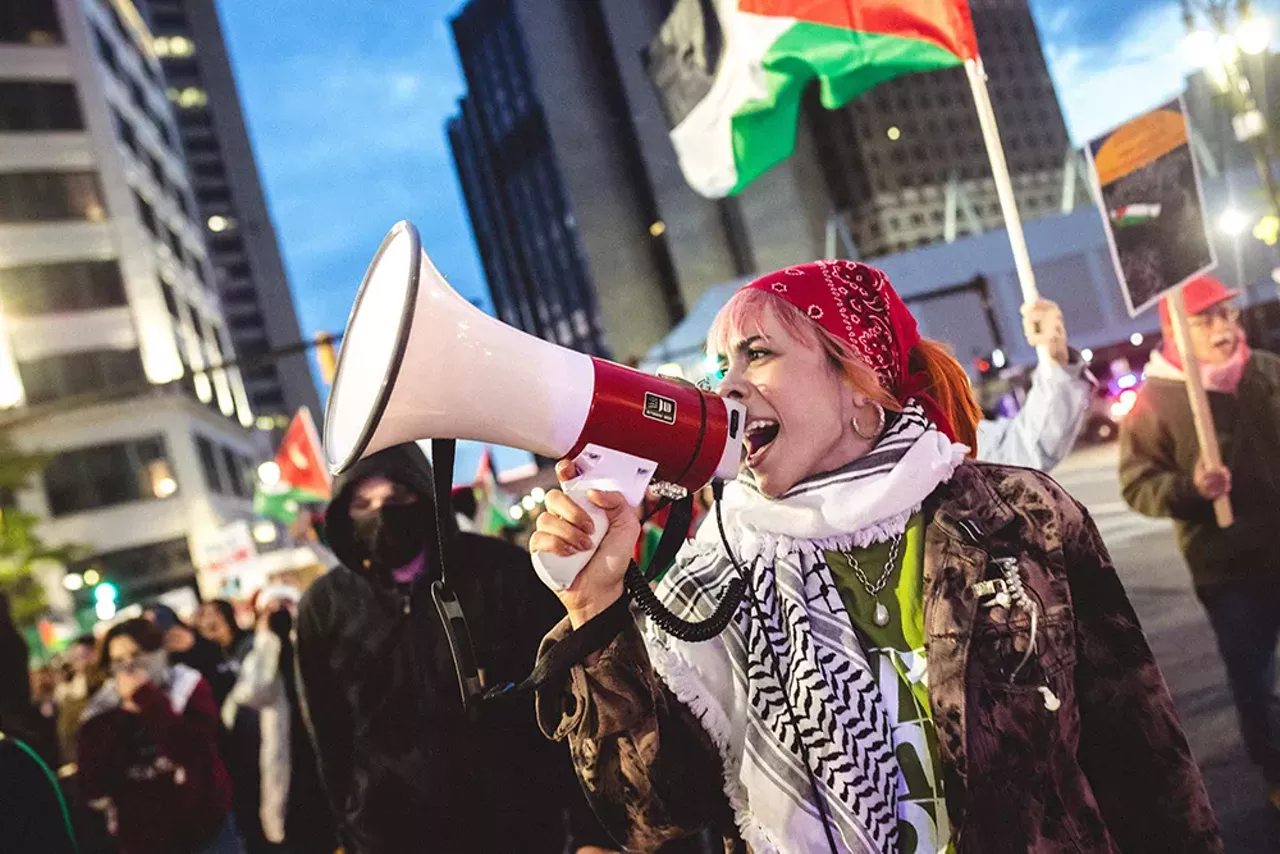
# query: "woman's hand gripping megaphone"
(567, 529)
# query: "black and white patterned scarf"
(828, 697)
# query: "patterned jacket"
(1101, 767)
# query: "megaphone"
(420, 362)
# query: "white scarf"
(731, 682)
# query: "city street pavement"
(1145, 555)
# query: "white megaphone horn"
(420, 362)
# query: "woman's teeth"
(760, 433)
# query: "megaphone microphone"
(420, 362)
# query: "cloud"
(1111, 62)
(1103, 83)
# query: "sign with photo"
(1152, 204)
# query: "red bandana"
(857, 305)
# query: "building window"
(175, 243)
(202, 145)
(147, 214)
(154, 561)
(250, 324)
(209, 462)
(42, 196)
(29, 22)
(106, 50)
(212, 170)
(170, 299)
(189, 97)
(107, 475)
(157, 172)
(262, 374)
(235, 472)
(68, 374)
(168, 46)
(39, 106)
(214, 196)
(271, 398)
(125, 131)
(240, 296)
(168, 19)
(49, 288)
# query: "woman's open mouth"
(758, 438)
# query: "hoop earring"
(880, 417)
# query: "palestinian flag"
(730, 73)
(304, 479)
(299, 458)
(1126, 215)
(493, 514)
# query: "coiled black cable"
(637, 587)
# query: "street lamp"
(1253, 34)
(1231, 222)
(1218, 32)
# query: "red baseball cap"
(1201, 293)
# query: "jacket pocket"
(1020, 706)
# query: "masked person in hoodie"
(1235, 570)
(403, 763)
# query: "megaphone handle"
(559, 571)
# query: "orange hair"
(948, 384)
(950, 388)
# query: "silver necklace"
(881, 613)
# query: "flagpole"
(1004, 184)
(1201, 414)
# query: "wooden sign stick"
(1200, 413)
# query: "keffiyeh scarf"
(826, 709)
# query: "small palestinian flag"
(730, 73)
(1134, 215)
(303, 476)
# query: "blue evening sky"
(346, 102)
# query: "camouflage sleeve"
(647, 766)
(1132, 747)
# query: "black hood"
(405, 464)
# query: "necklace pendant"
(881, 614)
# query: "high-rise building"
(107, 299)
(247, 265)
(563, 85)
(890, 155)
(588, 234)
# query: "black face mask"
(393, 536)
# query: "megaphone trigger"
(606, 470)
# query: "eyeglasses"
(1226, 313)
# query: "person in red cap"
(932, 654)
(1236, 570)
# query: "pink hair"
(743, 316)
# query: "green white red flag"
(730, 73)
(300, 460)
(304, 479)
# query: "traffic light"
(326, 356)
(105, 600)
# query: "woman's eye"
(755, 353)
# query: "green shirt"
(896, 652)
